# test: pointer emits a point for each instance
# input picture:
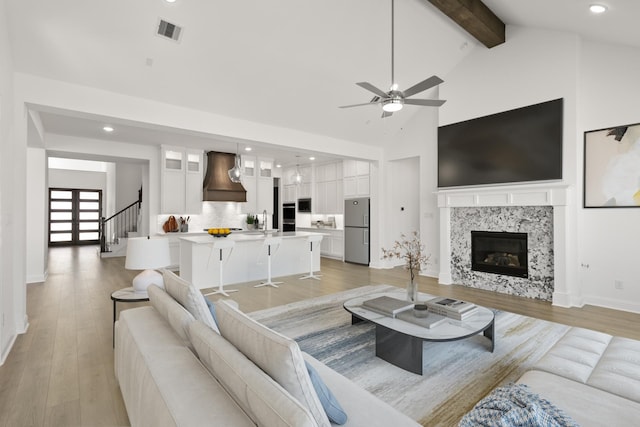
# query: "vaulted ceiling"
(288, 63)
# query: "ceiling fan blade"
(425, 102)
(422, 86)
(372, 88)
(386, 114)
(360, 105)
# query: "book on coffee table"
(452, 308)
(431, 321)
(387, 305)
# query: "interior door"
(74, 216)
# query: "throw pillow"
(189, 297)
(212, 309)
(329, 402)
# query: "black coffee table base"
(405, 351)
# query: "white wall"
(417, 140)
(609, 238)
(37, 212)
(12, 289)
(128, 181)
(598, 85)
(86, 180)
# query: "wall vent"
(169, 30)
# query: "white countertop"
(204, 238)
(320, 229)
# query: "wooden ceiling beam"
(474, 17)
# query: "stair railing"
(119, 224)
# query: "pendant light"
(236, 171)
(297, 177)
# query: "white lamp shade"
(147, 254)
(144, 253)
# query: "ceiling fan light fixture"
(597, 8)
(392, 105)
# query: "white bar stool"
(272, 244)
(312, 239)
(221, 244)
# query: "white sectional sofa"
(586, 379)
(593, 377)
(175, 368)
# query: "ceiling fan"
(395, 99)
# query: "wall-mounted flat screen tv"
(520, 145)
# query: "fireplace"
(499, 253)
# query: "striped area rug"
(456, 374)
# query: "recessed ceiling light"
(247, 149)
(312, 158)
(170, 1)
(107, 128)
(278, 165)
(598, 8)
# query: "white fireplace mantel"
(547, 194)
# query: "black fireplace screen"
(499, 253)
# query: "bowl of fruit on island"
(219, 232)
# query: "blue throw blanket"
(515, 405)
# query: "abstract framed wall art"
(612, 167)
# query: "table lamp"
(144, 253)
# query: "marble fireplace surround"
(470, 200)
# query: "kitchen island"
(199, 263)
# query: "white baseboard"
(7, 350)
(612, 303)
(37, 278)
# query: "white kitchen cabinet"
(304, 190)
(289, 193)
(328, 198)
(181, 180)
(333, 244)
(356, 178)
(258, 181)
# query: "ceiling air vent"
(169, 30)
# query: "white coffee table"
(400, 343)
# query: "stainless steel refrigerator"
(356, 231)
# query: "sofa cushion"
(264, 400)
(609, 363)
(172, 312)
(587, 405)
(618, 370)
(575, 355)
(277, 355)
(190, 297)
(162, 382)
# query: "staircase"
(115, 230)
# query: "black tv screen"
(520, 145)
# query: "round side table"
(125, 295)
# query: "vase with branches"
(411, 250)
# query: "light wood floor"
(60, 373)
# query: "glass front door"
(74, 216)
